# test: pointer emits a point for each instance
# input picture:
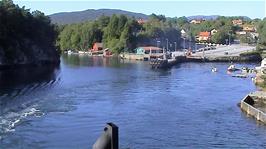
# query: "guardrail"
(252, 111)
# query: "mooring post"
(109, 139)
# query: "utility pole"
(175, 46)
(229, 33)
(184, 43)
(166, 44)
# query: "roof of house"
(205, 34)
(150, 48)
(98, 44)
(237, 20)
(141, 21)
(249, 26)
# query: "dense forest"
(262, 35)
(118, 33)
(121, 33)
(25, 37)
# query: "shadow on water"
(14, 83)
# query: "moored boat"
(214, 69)
(232, 68)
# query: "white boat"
(81, 52)
(69, 52)
(214, 69)
(245, 70)
(232, 68)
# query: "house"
(254, 35)
(237, 22)
(141, 21)
(261, 69)
(249, 28)
(214, 31)
(97, 46)
(204, 36)
(148, 50)
(241, 33)
(183, 33)
(196, 21)
(107, 52)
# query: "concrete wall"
(252, 111)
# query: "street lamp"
(184, 43)
(229, 36)
(158, 42)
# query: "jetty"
(162, 63)
(240, 75)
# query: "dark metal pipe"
(108, 139)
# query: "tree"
(262, 35)
(24, 33)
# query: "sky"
(169, 8)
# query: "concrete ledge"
(246, 106)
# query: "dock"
(240, 76)
(162, 63)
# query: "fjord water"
(67, 107)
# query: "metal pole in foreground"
(108, 139)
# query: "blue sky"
(170, 8)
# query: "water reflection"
(86, 60)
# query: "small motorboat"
(232, 68)
(69, 52)
(214, 69)
(245, 70)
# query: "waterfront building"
(262, 68)
(97, 47)
(149, 50)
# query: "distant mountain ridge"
(90, 14)
(93, 14)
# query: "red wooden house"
(97, 46)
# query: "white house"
(261, 69)
(214, 31)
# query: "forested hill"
(90, 14)
(26, 38)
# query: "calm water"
(187, 106)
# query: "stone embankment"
(254, 104)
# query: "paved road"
(232, 50)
